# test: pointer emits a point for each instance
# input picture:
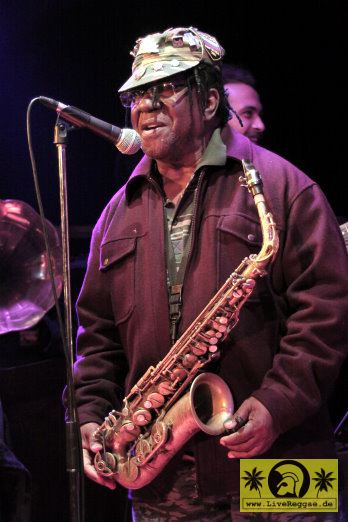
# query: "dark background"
(77, 52)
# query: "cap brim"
(148, 74)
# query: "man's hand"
(256, 435)
(89, 448)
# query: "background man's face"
(246, 102)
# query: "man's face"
(246, 102)
(170, 128)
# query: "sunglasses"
(162, 92)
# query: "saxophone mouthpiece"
(252, 178)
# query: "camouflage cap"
(159, 55)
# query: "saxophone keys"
(142, 450)
(159, 433)
(130, 426)
(129, 430)
(213, 338)
(189, 360)
(237, 293)
(248, 286)
(105, 466)
(141, 417)
(125, 412)
(165, 388)
(111, 462)
(154, 400)
(219, 328)
(129, 470)
(199, 349)
(111, 419)
(222, 328)
(178, 374)
(208, 337)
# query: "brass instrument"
(157, 419)
(26, 289)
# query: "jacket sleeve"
(311, 271)
(101, 365)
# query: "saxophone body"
(159, 416)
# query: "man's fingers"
(87, 434)
(92, 474)
(244, 449)
(103, 481)
(242, 436)
(91, 446)
(237, 444)
(243, 454)
(95, 447)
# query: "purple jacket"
(293, 331)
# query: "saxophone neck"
(270, 239)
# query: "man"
(165, 244)
(244, 101)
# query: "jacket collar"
(238, 147)
(139, 174)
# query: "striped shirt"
(179, 216)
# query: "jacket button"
(106, 260)
(251, 237)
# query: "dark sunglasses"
(163, 91)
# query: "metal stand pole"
(73, 442)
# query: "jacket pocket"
(239, 236)
(117, 262)
(242, 227)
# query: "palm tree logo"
(253, 480)
(323, 480)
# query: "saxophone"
(157, 418)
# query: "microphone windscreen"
(129, 141)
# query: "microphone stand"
(72, 430)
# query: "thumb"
(89, 441)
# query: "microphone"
(126, 140)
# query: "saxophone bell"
(207, 407)
(211, 403)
